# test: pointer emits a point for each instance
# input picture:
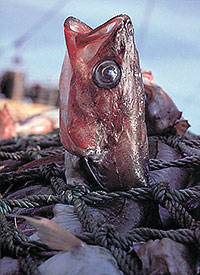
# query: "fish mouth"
(78, 27)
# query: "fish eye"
(107, 74)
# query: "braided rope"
(182, 145)
(185, 236)
(85, 217)
(187, 162)
(15, 156)
(126, 262)
(192, 143)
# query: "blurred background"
(167, 35)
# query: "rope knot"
(32, 153)
(50, 170)
(159, 191)
(45, 171)
(75, 193)
(104, 235)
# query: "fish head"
(102, 104)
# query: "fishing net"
(37, 160)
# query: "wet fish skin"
(106, 125)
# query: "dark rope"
(187, 162)
(181, 145)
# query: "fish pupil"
(109, 72)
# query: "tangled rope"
(34, 147)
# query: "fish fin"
(56, 159)
(53, 235)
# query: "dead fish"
(35, 124)
(76, 256)
(162, 115)
(102, 103)
(7, 127)
(102, 117)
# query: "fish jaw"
(105, 125)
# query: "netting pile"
(26, 149)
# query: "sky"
(167, 35)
